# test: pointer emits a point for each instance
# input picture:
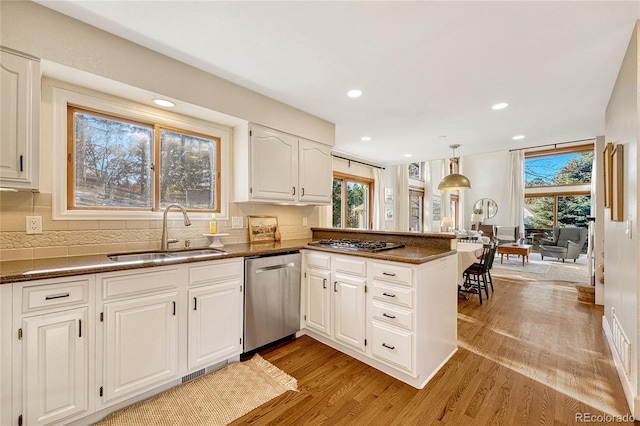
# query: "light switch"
(236, 222)
(305, 222)
(627, 230)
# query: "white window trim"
(133, 111)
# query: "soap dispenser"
(213, 225)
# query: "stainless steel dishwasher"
(271, 298)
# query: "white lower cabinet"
(335, 301)
(137, 333)
(56, 366)
(52, 350)
(140, 345)
(215, 313)
(399, 318)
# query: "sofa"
(567, 243)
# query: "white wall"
(489, 176)
(621, 253)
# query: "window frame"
(344, 177)
(420, 193)
(131, 111)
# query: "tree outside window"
(562, 202)
(351, 206)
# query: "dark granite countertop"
(33, 269)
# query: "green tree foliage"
(572, 210)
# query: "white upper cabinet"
(315, 173)
(274, 165)
(282, 168)
(19, 121)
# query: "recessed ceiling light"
(408, 155)
(164, 103)
(501, 105)
(518, 137)
(365, 138)
(354, 93)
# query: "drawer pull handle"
(174, 308)
(195, 303)
(388, 294)
(389, 274)
(57, 296)
(388, 347)
(324, 283)
(388, 316)
(335, 286)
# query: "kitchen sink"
(140, 257)
(164, 256)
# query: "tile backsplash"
(81, 237)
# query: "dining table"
(468, 254)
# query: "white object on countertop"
(216, 240)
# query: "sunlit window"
(119, 164)
(352, 202)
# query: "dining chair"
(476, 276)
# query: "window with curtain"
(352, 202)
(557, 188)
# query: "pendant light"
(454, 181)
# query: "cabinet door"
(140, 347)
(274, 165)
(215, 328)
(315, 173)
(349, 317)
(19, 120)
(56, 356)
(318, 283)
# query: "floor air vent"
(194, 375)
(622, 345)
(204, 371)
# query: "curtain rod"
(356, 161)
(552, 144)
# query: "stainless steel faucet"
(164, 243)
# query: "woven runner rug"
(217, 398)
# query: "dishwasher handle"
(274, 267)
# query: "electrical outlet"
(305, 222)
(236, 222)
(34, 225)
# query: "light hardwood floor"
(532, 354)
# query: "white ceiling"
(429, 70)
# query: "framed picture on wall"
(617, 180)
(388, 213)
(606, 173)
(388, 195)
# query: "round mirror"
(485, 206)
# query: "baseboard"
(633, 400)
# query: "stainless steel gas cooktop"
(356, 245)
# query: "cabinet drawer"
(396, 295)
(68, 293)
(397, 274)
(394, 346)
(222, 271)
(149, 281)
(349, 265)
(391, 315)
(318, 260)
